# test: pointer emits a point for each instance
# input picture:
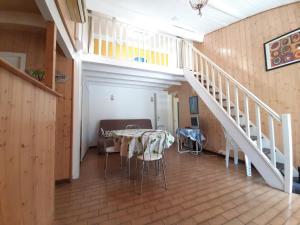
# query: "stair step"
(244, 126)
(267, 151)
(231, 107)
(217, 92)
(254, 138)
(233, 116)
(224, 99)
(210, 86)
(280, 167)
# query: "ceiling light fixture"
(198, 5)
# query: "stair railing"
(212, 77)
(110, 38)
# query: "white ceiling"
(111, 71)
(171, 16)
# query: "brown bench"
(109, 125)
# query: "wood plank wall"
(238, 49)
(63, 146)
(32, 42)
(27, 144)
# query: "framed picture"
(283, 50)
(193, 101)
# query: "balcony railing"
(116, 40)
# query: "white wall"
(128, 103)
(77, 101)
(84, 121)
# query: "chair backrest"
(105, 133)
(132, 126)
(153, 142)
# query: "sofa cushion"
(108, 125)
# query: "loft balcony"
(130, 51)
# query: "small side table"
(193, 135)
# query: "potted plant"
(37, 74)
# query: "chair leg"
(128, 167)
(106, 161)
(142, 177)
(156, 167)
(164, 172)
(236, 155)
(148, 166)
(136, 166)
(227, 154)
(121, 162)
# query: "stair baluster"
(213, 82)
(228, 97)
(100, 39)
(258, 127)
(220, 88)
(197, 65)
(114, 40)
(207, 75)
(236, 107)
(165, 50)
(202, 70)
(246, 112)
(288, 152)
(272, 140)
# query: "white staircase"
(216, 88)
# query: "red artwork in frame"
(283, 50)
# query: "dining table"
(131, 143)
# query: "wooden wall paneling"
(30, 42)
(50, 55)
(27, 153)
(3, 134)
(27, 120)
(63, 149)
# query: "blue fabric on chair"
(193, 134)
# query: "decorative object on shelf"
(37, 74)
(193, 102)
(60, 77)
(140, 59)
(283, 50)
(198, 5)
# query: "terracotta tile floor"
(200, 191)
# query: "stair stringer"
(261, 162)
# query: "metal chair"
(129, 126)
(124, 153)
(109, 147)
(132, 126)
(153, 151)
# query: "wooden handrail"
(19, 73)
